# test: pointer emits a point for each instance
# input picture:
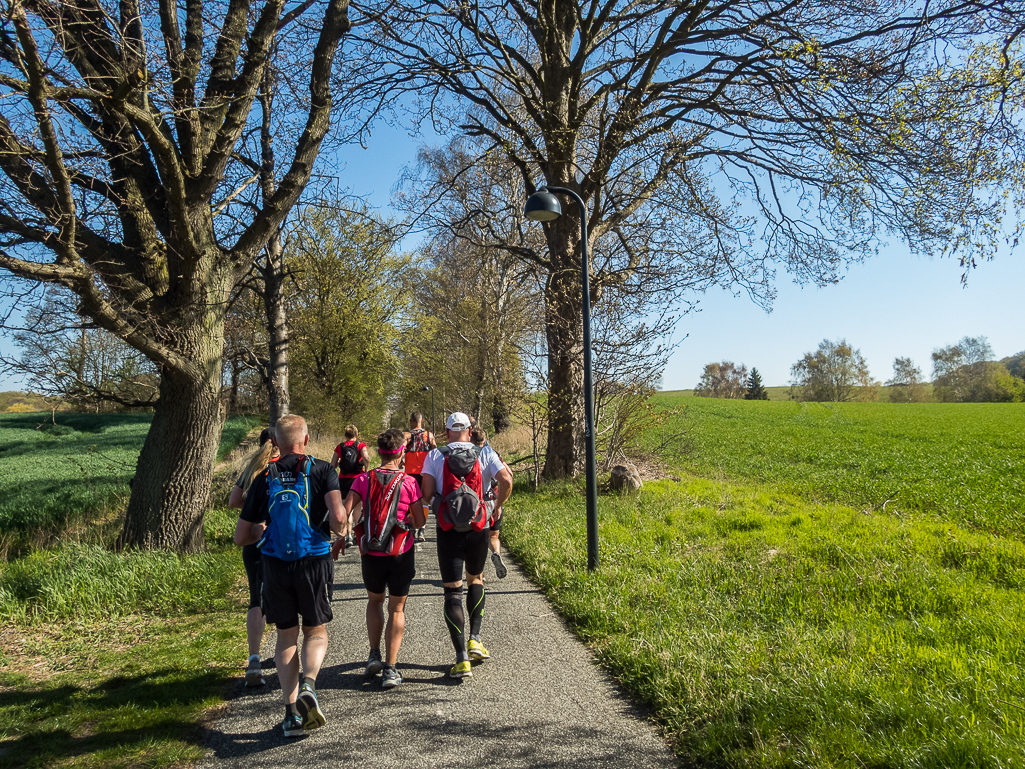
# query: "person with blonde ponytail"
(252, 466)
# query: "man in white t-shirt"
(459, 550)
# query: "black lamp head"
(542, 206)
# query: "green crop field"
(959, 462)
(826, 585)
(53, 474)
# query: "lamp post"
(543, 206)
(425, 388)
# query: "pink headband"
(383, 452)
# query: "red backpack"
(380, 530)
(460, 505)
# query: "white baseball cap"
(457, 422)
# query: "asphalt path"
(540, 701)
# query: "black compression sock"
(455, 620)
(475, 603)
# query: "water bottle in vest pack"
(380, 531)
(290, 535)
(460, 503)
(417, 450)
(348, 462)
(418, 440)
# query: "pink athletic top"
(410, 493)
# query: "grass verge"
(74, 472)
(766, 631)
(115, 659)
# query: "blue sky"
(892, 305)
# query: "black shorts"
(294, 588)
(344, 485)
(496, 525)
(462, 549)
(395, 572)
(252, 559)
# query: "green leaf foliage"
(344, 300)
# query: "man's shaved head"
(290, 430)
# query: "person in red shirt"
(351, 458)
(418, 443)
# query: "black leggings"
(252, 559)
(455, 617)
(457, 550)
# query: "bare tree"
(122, 127)
(71, 360)
(832, 373)
(906, 382)
(723, 380)
(959, 371)
(664, 115)
(481, 299)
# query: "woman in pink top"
(382, 569)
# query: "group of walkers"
(291, 503)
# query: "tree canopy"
(129, 152)
(723, 380)
(712, 141)
(834, 372)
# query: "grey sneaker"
(500, 570)
(374, 663)
(254, 673)
(390, 678)
(308, 707)
(420, 536)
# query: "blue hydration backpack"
(290, 535)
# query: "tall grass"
(91, 582)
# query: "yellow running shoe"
(461, 670)
(476, 651)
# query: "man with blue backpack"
(455, 479)
(290, 511)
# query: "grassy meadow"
(73, 469)
(106, 659)
(958, 462)
(825, 586)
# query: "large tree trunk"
(564, 331)
(171, 488)
(172, 478)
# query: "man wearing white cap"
(455, 477)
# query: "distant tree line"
(837, 372)
(728, 380)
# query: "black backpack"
(350, 462)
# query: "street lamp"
(434, 427)
(543, 206)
